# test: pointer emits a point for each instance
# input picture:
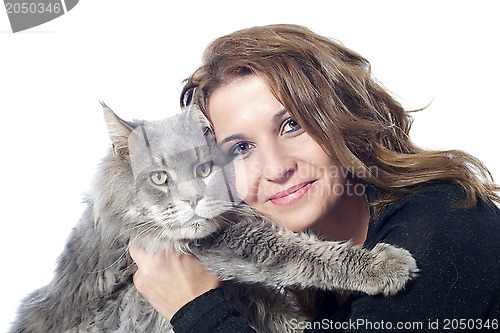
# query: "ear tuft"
(187, 95)
(195, 115)
(118, 131)
(193, 111)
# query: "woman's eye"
(290, 125)
(159, 177)
(240, 149)
(204, 170)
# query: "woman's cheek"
(245, 182)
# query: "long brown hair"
(331, 92)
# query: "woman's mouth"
(291, 195)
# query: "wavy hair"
(331, 92)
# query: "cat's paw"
(390, 269)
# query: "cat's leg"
(263, 253)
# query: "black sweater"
(457, 290)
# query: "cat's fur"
(92, 290)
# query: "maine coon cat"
(165, 186)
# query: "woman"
(325, 147)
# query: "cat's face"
(182, 192)
(180, 180)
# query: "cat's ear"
(118, 130)
(192, 110)
(196, 116)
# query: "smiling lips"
(291, 195)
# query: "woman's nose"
(277, 164)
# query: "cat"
(165, 186)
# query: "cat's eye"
(204, 169)
(159, 177)
(290, 126)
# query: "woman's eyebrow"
(234, 137)
(238, 137)
(277, 117)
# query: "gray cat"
(165, 186)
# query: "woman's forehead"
(236, 105)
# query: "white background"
(134, 56)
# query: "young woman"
(326, 148)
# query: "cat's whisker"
(119, 236)
(114, 263)
(146, 232)
(226, 221)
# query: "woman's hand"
(170, 280)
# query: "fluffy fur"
(165, 186)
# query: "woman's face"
(280, 169)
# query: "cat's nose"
(193, 201)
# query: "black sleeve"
(209, 312)
(458, 254)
